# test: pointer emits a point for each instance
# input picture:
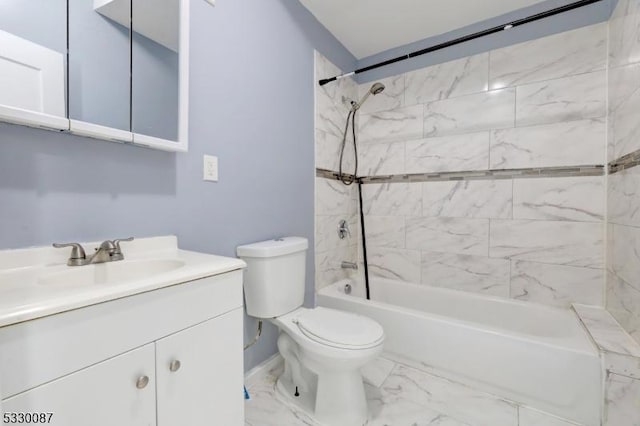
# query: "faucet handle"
(77, 253)
(343, 229)
(117, 242)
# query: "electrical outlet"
(210, 168)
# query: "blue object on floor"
(246, 393)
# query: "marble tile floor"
(399, 395)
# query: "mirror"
(155, 69)
(81, 65)
(100, 67)
(33, 45)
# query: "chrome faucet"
(108, 251)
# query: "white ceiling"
(367, 27)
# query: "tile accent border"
(330, 174)
(536, 172)
(625, 162)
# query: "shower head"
(375, 89)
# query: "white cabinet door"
(206, 388)
(33, 76)
(107, 394)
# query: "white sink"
(36, 282)
(109, 273)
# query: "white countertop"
(24, 297)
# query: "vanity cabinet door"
(200, 374)
(120, 391)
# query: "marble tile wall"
(622, 401)
(624, 96)
(539, 239)
(621, 363)
(537, 104)
(561, 144)
(334, 201)
(623, 254)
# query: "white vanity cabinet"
(167, 357)
(199, 379)
(102, 395)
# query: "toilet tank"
(274, 281)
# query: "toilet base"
(332, 400)
(340, 399)
(305, 401)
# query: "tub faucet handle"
(343, 229)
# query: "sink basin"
(109, 273)
(36, 282)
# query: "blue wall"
(99, 67)
(251, 105)
(252, 102)
(155, 85)
(588, 15)
(41, 21)
(55, 187)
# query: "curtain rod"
(504, 27)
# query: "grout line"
(404, 90)
(515, 106)
(510, 278)
(605, 242)
(490, 139)
(513, 199)
(489, 238)
(424, 118)
(489, 69)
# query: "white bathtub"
(531, 354)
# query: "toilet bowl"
(323, 349)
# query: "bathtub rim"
(590, 348)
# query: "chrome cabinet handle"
(174, 365)
(142, 382)
(77, 253)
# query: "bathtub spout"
(349, 265)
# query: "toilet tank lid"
(273, 248)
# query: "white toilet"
(323, 349)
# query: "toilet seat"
(339, 329)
